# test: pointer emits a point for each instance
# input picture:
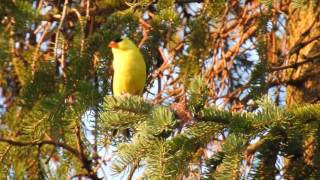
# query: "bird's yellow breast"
(129, 72)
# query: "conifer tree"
(232, 90)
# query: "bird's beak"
(113, 44)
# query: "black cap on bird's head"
(118, 39)
(114, 42)
(122, 43)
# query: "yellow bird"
(129, 68)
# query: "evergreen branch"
(18, 70)
(37, 48)
(123, 6)
(40, 143)
(230, 166)
(189, 1)
(253, 148)
(79, 144)
(64, 12)
(85, 162)
(82, 24)
(5, 153)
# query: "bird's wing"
(112, 75)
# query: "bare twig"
(296, 65)
(133, 169)
(164, 65)
(145, 31)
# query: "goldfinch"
(129, 68)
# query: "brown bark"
(303, 42)
(303, 26)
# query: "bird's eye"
(118, 39)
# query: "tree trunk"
(304, 45)
(303, 84)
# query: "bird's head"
(123, 43)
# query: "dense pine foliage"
(233, 90)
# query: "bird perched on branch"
(129, 68)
